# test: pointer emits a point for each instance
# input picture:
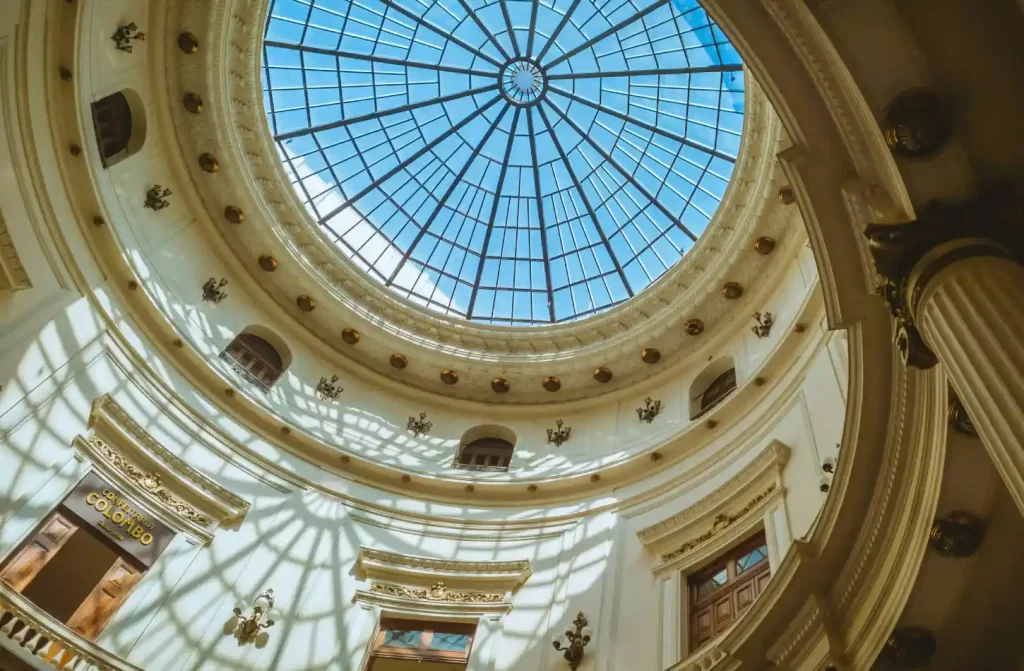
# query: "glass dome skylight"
(420, 133)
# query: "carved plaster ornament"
(720, 524)
(907, 256)
(438, 592)
(149, 482)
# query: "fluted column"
(954, 281)
(970, 313)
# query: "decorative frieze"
(106, 408)
(130, 457)
(721, 522)
(438, 592)
(149, 481)
(760, 475)
(12, 273)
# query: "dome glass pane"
(510, 162)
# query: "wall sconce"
(156, 198)
(212, 290)
(251, 629)
(577, 641)
(328, 390)
(559, 435)
(762, 324)
(124, 35)
(649, 411)
(419, 427)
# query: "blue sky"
(405, 136)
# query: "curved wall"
(78, 332)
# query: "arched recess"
(486, 448)
(258, 355)
(119, 120)
(712, 385)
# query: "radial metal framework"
(505, 161)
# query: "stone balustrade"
(44, 643)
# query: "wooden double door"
(72, 573)
(723, 591)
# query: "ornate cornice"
(761, 475)
(421, 584)
(721, 522)
(149, 481)
(503, 576)
(234, 124)
(123, 451)
(107, 408)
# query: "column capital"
(908, 256)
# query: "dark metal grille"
(505, 161)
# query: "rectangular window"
(432, 645)
(722, 591)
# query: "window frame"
(735, 581)
(252, 365)
(427, 628)
(470, 454)
(719, 389)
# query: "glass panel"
(400, 638)
(752, 558)
(712, 583)
(449, 642)
(513, 176)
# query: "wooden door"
(724, 590)
(103, 602)
(20, 569)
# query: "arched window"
(719, 388)
(485, 454)
(714, 383)
(120, 126)
(255, 359)
(722, 591)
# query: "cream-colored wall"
(70, 338)
(303, 544)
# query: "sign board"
(104, 507)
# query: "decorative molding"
(12, 273)
(149, 481)
(123, 451)
(421, 584)
(506, 576)
(721, 523)
(107, 409)
(438, 592)
(236, 130)
(762, 475)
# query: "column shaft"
(971, 315)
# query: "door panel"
(702, 627)
(103, 602)
(745, 595)
(26, 564)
